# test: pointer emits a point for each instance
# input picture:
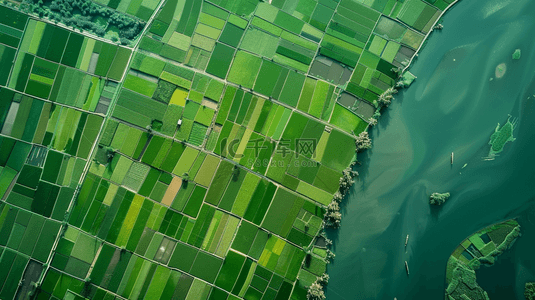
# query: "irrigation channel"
(453, 106)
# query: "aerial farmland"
(198, 157)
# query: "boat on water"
(407, 267)
(452, 158)
(406, 241)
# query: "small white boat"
(452, 158)
(407, 267)
(406, 241)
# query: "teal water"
(453, 106)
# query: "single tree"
(235, 172)
(185, 177)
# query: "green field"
(181, 170)
(244, 69)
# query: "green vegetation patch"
(231, 35)
(411, 11)
(220, 60)
(244, 69)
(501, 136)
(335, 159)
(345, 119)
(260, 42)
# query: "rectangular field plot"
(220, 60)
(244, 69)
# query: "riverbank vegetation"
(386, 98)
(333, 216)
(363, 141)
(315, 292)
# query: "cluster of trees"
(104, 155)
(315, 291)
(328, 241)
(529, 292)
(438, 198)
(463, 277)
(80, 14)
(363, 141)
(511, 237)
(128, 26)
(333, 217)
(490, 258)
(386, 98)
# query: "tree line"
(81, 14)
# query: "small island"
(517, 54)
(500, 137)
(481, 248)
(438, 198)
(529, 291)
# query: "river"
(453, 106)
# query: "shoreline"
(429, 33)
(322, 234)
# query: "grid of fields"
(199, 166)
(51, 63)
